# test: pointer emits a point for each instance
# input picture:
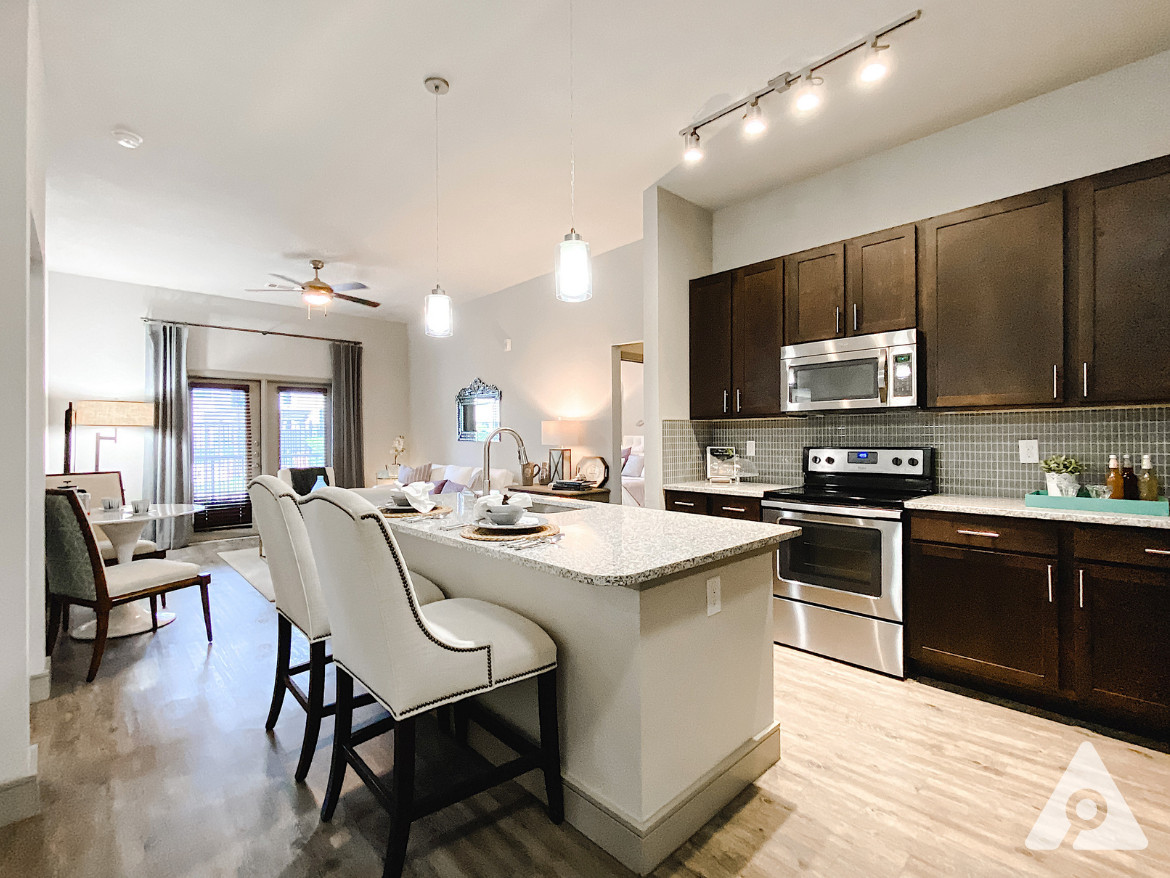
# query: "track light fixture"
(810, 96)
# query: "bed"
(634, 470)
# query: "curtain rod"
(257, 331)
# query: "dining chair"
(75, 574)
(99, 485)
(414, 658)
(301, 605)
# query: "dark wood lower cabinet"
(990, 614)
(721, 505)
(1059, 622)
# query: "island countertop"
(627, 546)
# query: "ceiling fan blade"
(355, 299)
(295, 283)
(343, 288)
(274, 289)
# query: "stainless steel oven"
(861, 372)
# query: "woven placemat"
(437, 512)
(472, 533)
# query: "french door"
(225, 450)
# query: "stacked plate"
(527, 524)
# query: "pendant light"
(574, 274)
(438, 315)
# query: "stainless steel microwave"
(861, 372)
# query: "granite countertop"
(743, 489)
(627, 546)
(1013, 507)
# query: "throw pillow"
(626, 453)
(451, 487)
(409, 474)
(438, 489)
(633, 467)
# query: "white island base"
(665, 711)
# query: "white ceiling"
(275, 132)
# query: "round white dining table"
(123, 528)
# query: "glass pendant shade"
(438, 319)
(574, 272)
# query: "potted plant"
(1060, 472)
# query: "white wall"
(559, 364)
(1114, 119)
(97, 349)
(21, 200)
(633, 399)
(676, 247)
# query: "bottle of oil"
(1147, 481)
(1113, 481)
(1129, 482)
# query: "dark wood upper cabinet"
(758, 319)
(992, 303)
(814, 294)
(881, 281)
(710, 339)
(1119, 253)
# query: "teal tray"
(1042, 500)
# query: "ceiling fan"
(315, 292)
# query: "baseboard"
(19, 799)
(40, 684)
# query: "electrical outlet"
(751, 448)
(714, 595)
(1029, 451)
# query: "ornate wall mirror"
(477, 411)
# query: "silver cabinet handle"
(738, 406)
(1081, 587)
(725, 402)
(855, 317)
(683, 503)
(734, 509)
(1049, 583)
(1054, 381)
(838, 323)
(1085, 380)
(979, 533)
(1158, 551)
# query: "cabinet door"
(731, 506)
(814, 294)
(688, 501)
(987, 615)
(993, 302)
(1120, 269)
(758, 312)
(1123, 641)
(710, 339)
(881, 292)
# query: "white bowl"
(505, 514)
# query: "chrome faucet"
(487, 455)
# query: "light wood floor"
(161, 767)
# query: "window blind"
(303, 423)
(221, 453)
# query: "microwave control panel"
(901, 372)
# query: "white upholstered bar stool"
(299, 603)
(414, 658)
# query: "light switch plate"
(714, 595)
(751, 448)
(1029, 451)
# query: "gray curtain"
(168, 457)
(349, 463)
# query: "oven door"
(842, 561)
(838, 380)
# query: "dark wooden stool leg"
(342, 726)
(54, 624)
(206, 609)
(65, 617)
(279, 687)
(154, 612)
(99, 641)
(313, 711)
(550, 744)
(462, 721)
(403, 782)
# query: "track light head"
(875, 66)
(809, 96)
(692, 151)
(754, 122)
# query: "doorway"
(629, 414)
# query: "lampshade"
(560, 434)
(113, 413)
(574, 275)
(438, 320)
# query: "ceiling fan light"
(316, 298)
(574, 273)
(438, 316)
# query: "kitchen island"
(663, 626)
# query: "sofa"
(466, 476)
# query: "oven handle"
(854, 513)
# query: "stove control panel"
(868, 461)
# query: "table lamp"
(559, 434)
(103, 413)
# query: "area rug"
(249, 564)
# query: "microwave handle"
(883, 374)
